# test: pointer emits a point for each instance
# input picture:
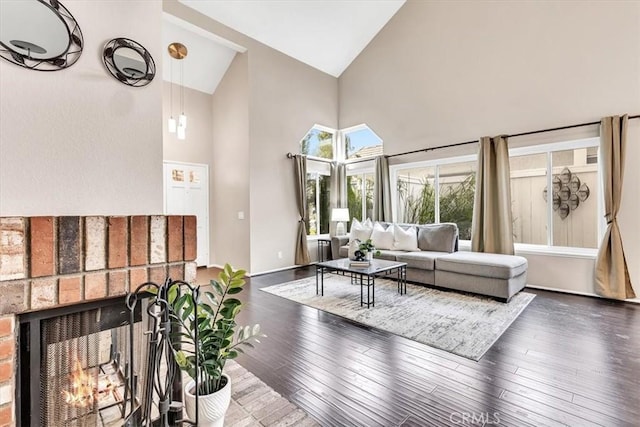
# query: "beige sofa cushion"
(421, 260)
(343, 252)
(387, 254)
(483, 264)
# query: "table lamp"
(340, 215)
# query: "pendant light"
(178, 51)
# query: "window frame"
(342, 152)
(549, 149)
(318, 167)
(334, 142)
(364, 166)
(435, 164)
(369, 169)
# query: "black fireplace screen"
(74, 366)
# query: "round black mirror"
(39, 34)
(129, 62)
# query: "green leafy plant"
(367, 246)
(219, 337)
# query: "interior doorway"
(186, 192)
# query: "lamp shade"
(339, 214)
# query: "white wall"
(445, 72)
(285, 98)
(198, 146)
(230, 236)
(448, 72)
(438, 73)
(77, 141)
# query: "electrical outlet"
(241, 215)
(279, 254)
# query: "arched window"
(318, 142)
(352, 143)
(361, 142)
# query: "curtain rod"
(475, 141)
(315, 159)
(533, 132)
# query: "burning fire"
(83, 390)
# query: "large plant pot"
(211, 407)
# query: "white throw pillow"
(359, 231)
(381, 238)
(405, 240)
(353, 247)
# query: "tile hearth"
(253, 403)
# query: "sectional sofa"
(438, 262)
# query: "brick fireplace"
(49, 262)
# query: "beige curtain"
(338, 190)
(302, 251)
(382, 190)
(612, 276)
(492, 227)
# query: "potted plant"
(368, 249)
(209, 326)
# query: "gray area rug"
(462, 324)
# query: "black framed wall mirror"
(39, 35)
(129, 62)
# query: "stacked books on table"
(354, 263)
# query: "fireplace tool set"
(161, 402)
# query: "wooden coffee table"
(366, 276)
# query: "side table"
(322, 244)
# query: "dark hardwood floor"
(567, 360)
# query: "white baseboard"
(275, 270)
(567, 291)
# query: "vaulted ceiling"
(325, 34)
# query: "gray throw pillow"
(437, 237)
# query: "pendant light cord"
(182, 86)
(171, 87)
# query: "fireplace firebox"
(77, 365)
